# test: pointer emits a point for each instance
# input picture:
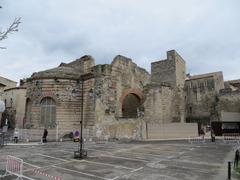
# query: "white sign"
(2, 106)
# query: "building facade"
(123, 100)
(118, 100)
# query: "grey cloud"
(204, 32)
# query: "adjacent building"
(5, 84)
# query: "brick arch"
(48, 112)
(48, 94)
(135, 91)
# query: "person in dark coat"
(212, 135)
(236, 158)
(44, 138)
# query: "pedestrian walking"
(44, 138)
(16, 135)
(236, 158)
(212, 135)
(202, 133)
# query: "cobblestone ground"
(165, 160)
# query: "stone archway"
(130, 106)
(131, 100)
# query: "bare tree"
(12, 28)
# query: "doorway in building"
(130, 106)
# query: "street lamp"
(81, 153)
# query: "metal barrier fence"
(14, 166)
(10, 165)
(199, 139)
(231, 138)
(99, 140)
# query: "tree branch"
(12, 28)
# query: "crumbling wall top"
(71, 70)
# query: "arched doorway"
(130, 105)
(48, 112)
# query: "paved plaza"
(162, 160)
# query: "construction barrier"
(14, 166)
(36, 171)
(199, 139)
(231, 138)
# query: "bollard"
(229, 170)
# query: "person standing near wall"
(16, 135)
(236, 158)
(212, 135)
(202, 132)
(44, 138)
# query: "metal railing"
(198, 139)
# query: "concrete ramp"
(171, 130)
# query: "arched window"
(48, 112)
(130, 106)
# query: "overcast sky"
(206, 33)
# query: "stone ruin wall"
(158, 104)
(111, 82)
(166, 90)
(228, 102)
(104, 94)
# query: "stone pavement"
(164, 160)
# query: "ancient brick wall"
(229, 102)
(163, 71)
(127, 75)
(158, 104)
(67, 96)
(171, 70)
(112, 84)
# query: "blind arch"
(48, 112)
